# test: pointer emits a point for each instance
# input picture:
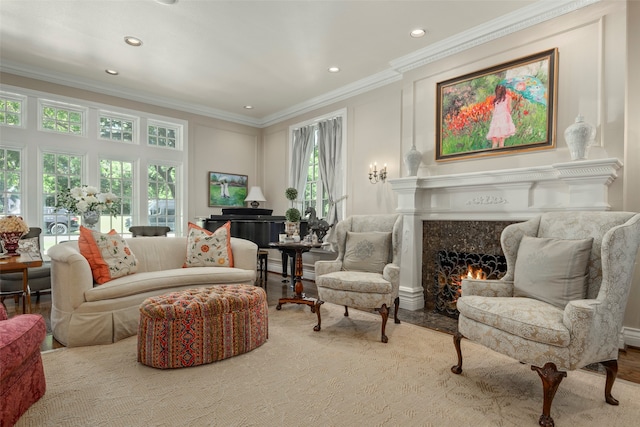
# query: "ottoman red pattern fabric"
(198, 326)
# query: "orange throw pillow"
(109, 255)
(209, 249)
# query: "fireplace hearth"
(452, 267)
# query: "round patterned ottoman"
(198, 326)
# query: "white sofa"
(86, 314)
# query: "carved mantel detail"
(487, 200)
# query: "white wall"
(596, 78)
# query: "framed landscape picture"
(227, 189)
(505, 108)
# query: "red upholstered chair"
(22, 380)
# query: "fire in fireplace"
(452, 266)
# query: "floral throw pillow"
(207, 249)
(108, 254)
(29, 245)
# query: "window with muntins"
(116, 128)
(162, 195)
(12, 107)
(62, 118)
(117, 177)
(11, 168)
(163, 135)
(314, 194)
(59, 172)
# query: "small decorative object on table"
(579, 136)
(88, 202)
(12, 228)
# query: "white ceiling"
(214, 57)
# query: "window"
(59, 172)
(62, 118)
(326, 135)
(117, 177)
(162, 195)
(11, 168)
(12, 108)
(164, 135)
(116, 128)
(314, 194)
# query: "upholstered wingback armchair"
(366, 273)
(561, 303)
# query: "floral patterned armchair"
(366, 273)
(561, 303)
(22, 380)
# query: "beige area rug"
(340, 376)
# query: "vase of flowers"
(89, 203)
(12, 228)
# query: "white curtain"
(302, 148)
(331, 171)
(330, 163)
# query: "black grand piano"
(257, 225)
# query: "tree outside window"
(11, 165)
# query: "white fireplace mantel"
(519, 194)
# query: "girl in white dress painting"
(501, 126)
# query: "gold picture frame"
(504, 109)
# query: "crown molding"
(526, 17)
(519, 20)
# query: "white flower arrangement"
(13, 224)
(83, 199)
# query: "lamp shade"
(255, 195)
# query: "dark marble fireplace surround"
(479, 237)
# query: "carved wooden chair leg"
(346, 311)
(396, 302)
(317, 309)
(551, 379)
(457, 337)
(611, 366)
(384, 312)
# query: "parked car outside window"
(59, 221)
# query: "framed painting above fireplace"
(507, 108)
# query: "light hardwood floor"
(628, 360)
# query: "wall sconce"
(376, 175)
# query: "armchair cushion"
(552, 270)
(357, 281)
(367, 251)
(524, 317)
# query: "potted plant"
(292, 215)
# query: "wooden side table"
(298, 297)
(22, 263)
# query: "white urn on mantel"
(412, 160)
(578, 137)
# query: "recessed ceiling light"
(248, 107)
(334, 69)
(419, 32)
(133, 41)
(166, 1)
(111, 72)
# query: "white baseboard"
(630, 336)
